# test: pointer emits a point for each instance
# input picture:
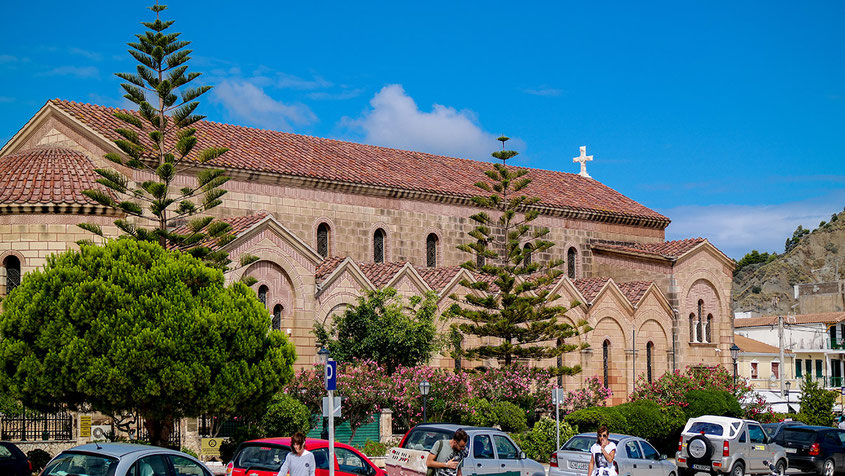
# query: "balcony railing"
(837, 343)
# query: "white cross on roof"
(583, 158)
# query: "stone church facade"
(330, 220)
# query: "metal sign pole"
(331, 432)
(557, 420)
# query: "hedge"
(590, 419)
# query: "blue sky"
(728, 117)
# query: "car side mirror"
(663, 458)
(522, 455)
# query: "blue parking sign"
(331, 375)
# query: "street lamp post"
(734, 355)
(425, 387)
(323, 357)
(788, 384)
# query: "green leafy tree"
(129, 326)
(754, 257)
(791, 243)
(160, 140)
(380, 327)
(816, 403)
(513, 304)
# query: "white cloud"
(396, 121)
(738, 229)
(248, 102)
(344, 94)
(77, 71)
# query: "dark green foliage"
(659, 425)
(159, 139)
(285, 416)
(374, 448)
(130, 326)
(590, 419)
(230, 445)
(512, 302)
(507, 415)
(479, 413)
(712, 402)
(382, 328)
(510, 417)
(816, 403)
(39, 459)
(539, 442)
(754, 257)
(791, 243)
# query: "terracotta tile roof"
(303, 156)
(667, 249)
(47, 175)
(438, 278)
(328, 266)
(820, 318)
(589, 287)
(634, 290)
(380, 273)
(755, 346)
(239, 225)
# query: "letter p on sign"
(331, 375)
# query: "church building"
(329, 220)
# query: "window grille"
(605, 347)
(277, 317)
(526, 254)
(431, 250)
(378, 246)
(692, 327)
(707, 328)
(13, 273)
(571, 256)
(649, 349)
(480, 260)
(323, 240)
(262, 294)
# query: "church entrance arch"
(275, 287)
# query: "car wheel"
(738, 469)
(828, 469)
(780, 468)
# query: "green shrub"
(39, 458)
(479, 413)
(285, 416)
(510, 417)
(189, 451)
(538, 443)
(661, 426)
(590, 419)
(375, 448)
(816, 403)
(712, 402)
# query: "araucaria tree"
(510, 301)
(128, 327)
(158, 141)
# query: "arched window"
(277, 317)
(526, 254)
(13, 272)
(378, 246)
(480, 260)
(262, 294)
(571, 257)
(692, 327)
(649, 350)
(323, 239)
(431, 250)
(605, 349)
(707, 328)
(699, 327)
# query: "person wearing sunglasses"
(602, 454)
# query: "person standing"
(602, 455)
(299, 462)
(842, 423)
(445, 457)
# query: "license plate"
(791, 450)
(701, 467)
(578, 465)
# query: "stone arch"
(433, 249)
(388, 249)
(3, 269)
(278, 284)
(702, 299)
(283, 261)
(652, 331)
(332, 238)
(609, 329)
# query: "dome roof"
(47, 175)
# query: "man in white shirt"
(299, 462)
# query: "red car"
(264, 458)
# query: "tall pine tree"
(159, 140)
(512, 302)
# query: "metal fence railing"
(34, 426)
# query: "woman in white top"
(602, 454)
(299, 462)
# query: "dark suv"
(12, 461)
(814, 448)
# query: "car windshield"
(261, 456)
(804, 437)
(424, 438)
(81, 464)
(706, 428)
(581, 443)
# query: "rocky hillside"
(756, 285)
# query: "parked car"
(121, 459)
(772, 429)
(264, 457)
(489, 450)
(634, 457)
(717, 444)
(814, 448)
(13, 462)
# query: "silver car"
(634, 457)
(119, 459)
